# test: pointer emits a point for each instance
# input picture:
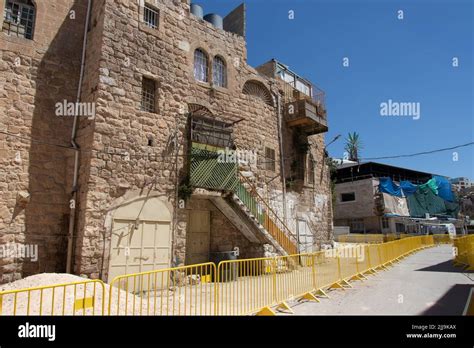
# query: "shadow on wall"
(51, 167)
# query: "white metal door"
(140, 248)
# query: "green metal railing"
(266, 216)
(208, 171)
(250, 202)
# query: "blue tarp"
(407, 187)
(444, 188)
(388, 186)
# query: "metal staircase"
(208, 173)
(266, 219)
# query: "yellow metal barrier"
(464, 252)
(364, 261)
(442, 238)
(326, 266)
(187, 290)
(259, 285)
(294, 278)
(234, 287)
(390, 237)
(360, 238)
(79, 298)
(347, 263)
(245, 286)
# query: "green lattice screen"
(206, 171)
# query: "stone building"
(135, 136)
(360, 204)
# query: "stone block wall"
(124, 151)
(364, 204)
(34, 76)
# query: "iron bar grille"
(19, 19)
(150, 17)
(211, 132)
(148, 95)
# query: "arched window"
(258, 90)
(19, 18)
(219, 72)
(200, 66)
(199, 110)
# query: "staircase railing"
(266, 216)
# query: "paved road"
(424, 283)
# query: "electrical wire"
(419, 153)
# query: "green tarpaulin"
(431, 184)
(425, 200)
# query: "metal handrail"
(269, 209)
(317, 96)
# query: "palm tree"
(353, 146)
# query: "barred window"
(310, 173)
(200, 66)
(219, 72)
(150, 16)
(270, 159)
(19, 19)
(148, 95)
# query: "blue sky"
(407, 60)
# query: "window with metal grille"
(150, 16)
(270, 159)
(258, 90)
(200, 65)
(310, 173)
(219, 72)
(19, 19)
(385, 223)
(148, 95)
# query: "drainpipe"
(282, 156)
(72, 215)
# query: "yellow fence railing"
(442, 239)
(360, 238)
(464, 252)
(233, 287)
(257, 285)
(381, 238)
(79, 298)
(187, 290)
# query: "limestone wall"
(125, 152)
(34, 76)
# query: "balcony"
(305, 110)
(304, 102)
